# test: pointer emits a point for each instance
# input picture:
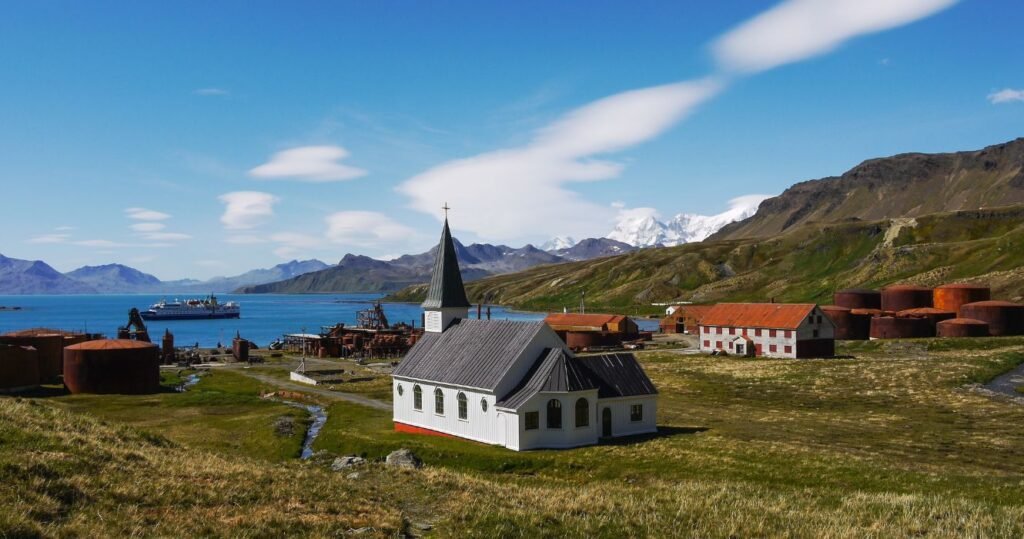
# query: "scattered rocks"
(349, 461)
(403, 458)
(353, 475)
(284, 426)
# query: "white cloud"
(1006, 95)
(165, 236)
(796, 30)
(309, 164)
(49, 238)
(506, 194)
(143, 214)
(147, 227)
(366, 229)
(246, 209)
(211, 92)
(65, 228)
(245, 239)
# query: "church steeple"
(446, 299)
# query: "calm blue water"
(264, 317)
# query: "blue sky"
(225, 121)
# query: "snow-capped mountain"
(641, 227)
(558, 243)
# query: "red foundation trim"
(402, 427)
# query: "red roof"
(111, 344)
(582, 320)
(758, 315)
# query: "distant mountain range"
(647, 231)
(37, 277)
(363, 274)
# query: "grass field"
(891, 441)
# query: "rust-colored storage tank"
(49, 349)
(167, 355)
(902, 297)
(849, 326)
(112, 366)
(950, 297)
(1003, 317)
(931, 314)
(240, 349)
(888, 327)
(961, 327)
(858, 298)
(19, 367)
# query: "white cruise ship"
(192, 309)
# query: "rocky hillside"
(906, 185)
(807, 263)
(115, 278)
(36, 277)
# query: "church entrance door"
(606, 422)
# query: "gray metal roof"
(616, 375)
(473, 353)
(554, 372)
(446, 288)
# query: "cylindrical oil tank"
(931, 314)
(49, 348)
(240, 349)
(858, 298)
(19, 367)
(889, 327)
(841, 319)
(950, 297)
(1003, 317)
(112, 366)
(961, 327)
(902, 297)
(578, 340)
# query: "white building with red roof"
(783, 330)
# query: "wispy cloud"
(308, 164)
(366, 229)
(110, 244)
(143, 214)
(1006, 95)
(219, 92)
(147, 227)
(509, 193)
(49, 238)
(796, 30)
(246, 209)
(165, 236)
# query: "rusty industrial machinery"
(121, 366)
(372, 318)
(858, 298)
(1003, 317)
(902, 297)
(961, 327)
(950, 297)
(167, 352)
(240, 348)
(135, 329)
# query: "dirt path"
(303, 388)
(1007, 384)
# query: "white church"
(513, 384)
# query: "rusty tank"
(858, 298)
(890, 327)
(849, 326)
(115, 366)
(961, 327)
(950, 297)
(1003, 317)
(19, 367)
(931, 314)
(902, 297)
(49, 347)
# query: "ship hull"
(204, 316)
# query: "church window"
(483, 405)
(417, 398)
(582, 413)
(438, 401)
(636, 412)
(554, 414)
(463, 406)
(532, 420)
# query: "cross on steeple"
(445, 208)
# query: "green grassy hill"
(808, 263)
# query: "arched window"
(463, 406)
(438, 401)
(554, 414)
(582, 413)
(417, 398)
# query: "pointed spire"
(446, 288)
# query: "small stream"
(319, 416)
(190, 381)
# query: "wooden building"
(794, 330)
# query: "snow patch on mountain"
(642, 227)
(557, 243)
